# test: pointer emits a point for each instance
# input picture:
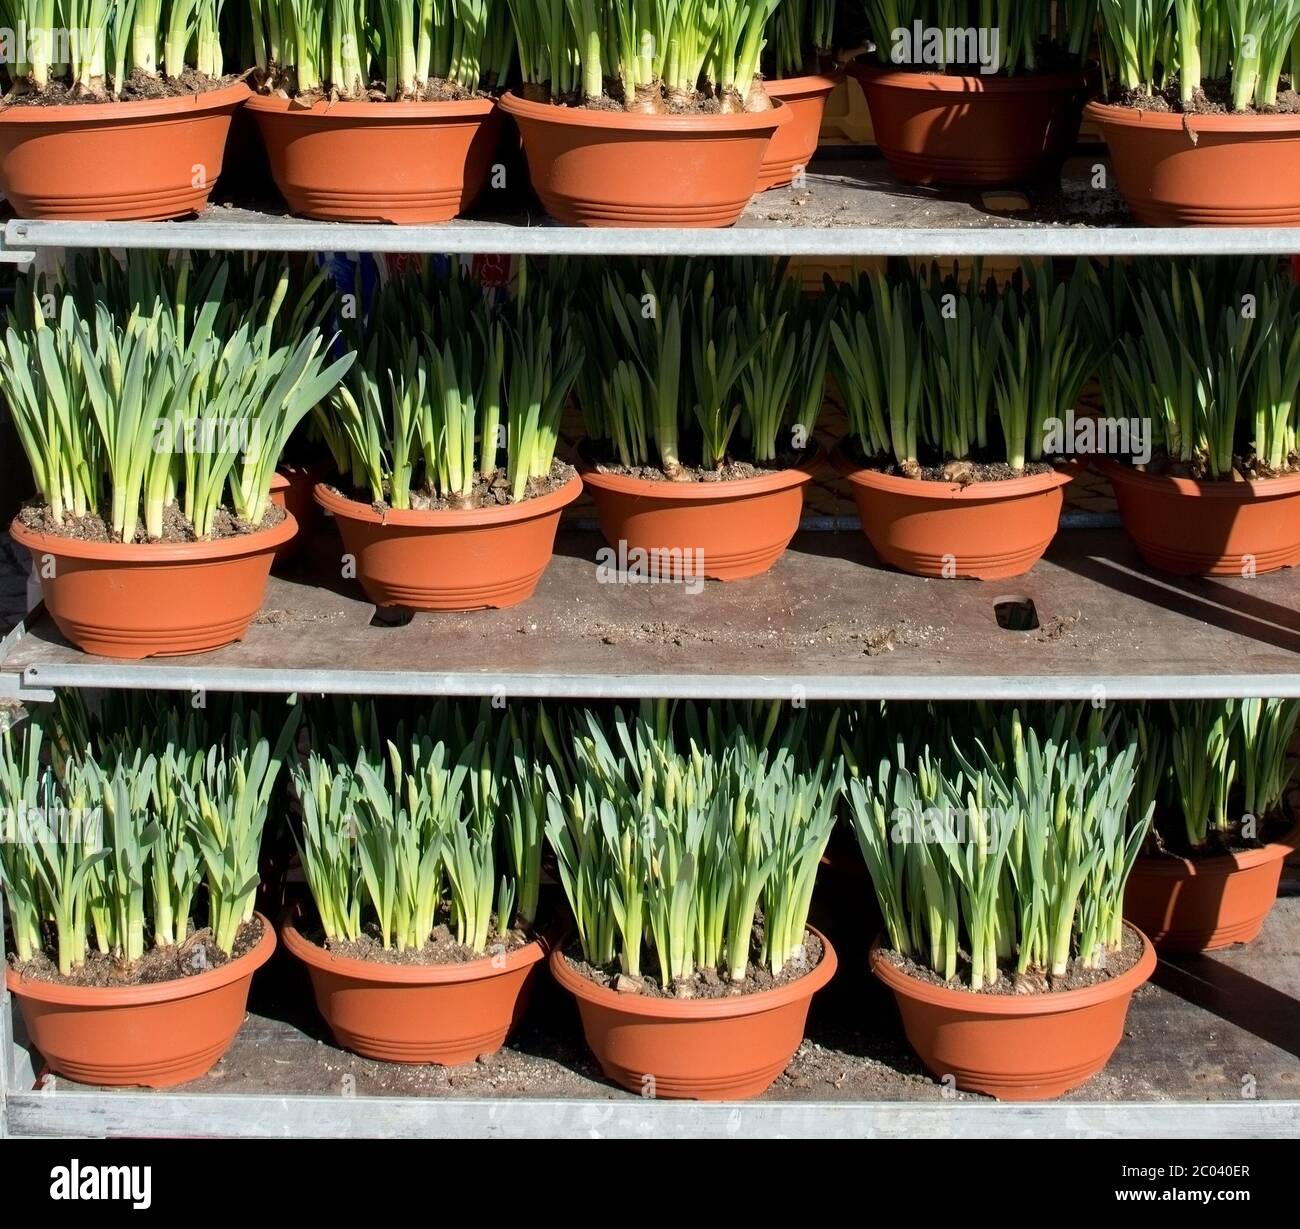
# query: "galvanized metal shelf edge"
(88, 1114)
(272, 233)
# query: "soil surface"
(1214, 98)
(1051, 58)
(1169, 838)
(435, 90)
(492, 492)
(1244, 469)
(176, 528)
(198, 954)
(650, 102)
(442, 948)
(729, 471)
(1035, 981)
(963, 473)
(140, 87)
(705, 984)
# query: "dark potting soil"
(442, 948)
(1036, 981)
(198, 954)
(963, 473)
(1213, 98)
(705, 984)
(491, 492)
(176, 528)
(1244, 469)
(653, 101)
(139, 87)
(1050, 58)
(435, 90)
(731, 470)
(1169, 838)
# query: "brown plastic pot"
(794, 143)
(973, 131)
(742, 527)
(1201, 905)
(1192, 528)
(116, 161)
(155, 599)
(697, 1049)
(1204, 170)
(613, 168)
(153, 1036)
(484, 559)
(988, 530)
(293, 489)
(1015, 1047)
(447, 1014)
(404, 162)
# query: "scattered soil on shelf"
(1035, 981)
(442, 948)
(1169, 838)
(1244, 469)
(1058, 628)
(198, 954)
(1213, 98)
(176, 528)
(963, 473)
(729, 471)
(490, 492)
(705, 984)
(140, 87)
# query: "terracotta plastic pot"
(1195, 528)
(293, 489)
(612, 168)
(488, 558)
(445, 1013)
(404, 162)
(116, 161)
(1200, 906)
(974, 131)
(1015, 1047)
(741, 528)
(1204, 170)
(153, 600)
(794, 143)
(988, 530)
(698, 1049)
(153, 1036)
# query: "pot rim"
(404, 109)
(626, 121)
(89, 113)
(674, 1010)
(949, 492)
(944, 83)
(802, 86)
(126, 553)
(317, 957)
(94, 997)
(969, 1003)
(449, 518)
(1175, 866)
(1193, 488)
(1171, 121)
(702, 492)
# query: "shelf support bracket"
(13, 249)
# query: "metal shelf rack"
(826, 624)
